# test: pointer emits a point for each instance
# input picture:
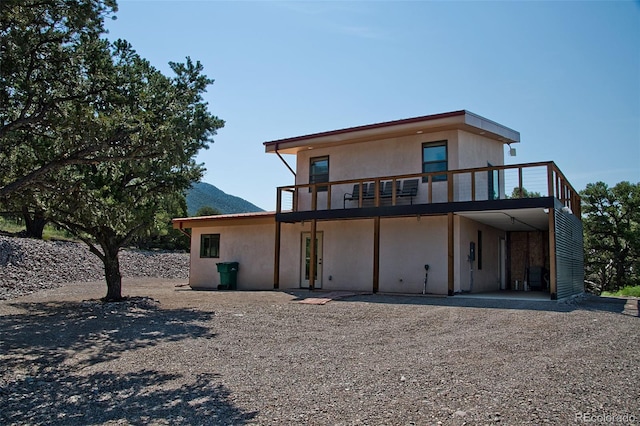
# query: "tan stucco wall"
(476, 151)
(406, 245)
(252, 246)
(398, 156)
(385, 157)
(488, 278)
(347, 257)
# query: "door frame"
(304, 280)
(503, 262)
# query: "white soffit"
(535, 219)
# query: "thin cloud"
(362, 32)
(327, 16)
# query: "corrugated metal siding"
(569, 254)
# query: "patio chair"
(355, 194)
(409, 189)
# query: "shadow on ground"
(587, 302)
(45, 347)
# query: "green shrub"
(629, 291)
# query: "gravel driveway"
(215, 358)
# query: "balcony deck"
(482, 191)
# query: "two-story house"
(420, 205)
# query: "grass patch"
(10, 226)
(630, 291)
(50, 232)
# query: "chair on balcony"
(387, 189)
(409, 189)
(370, 191)
(355, 194)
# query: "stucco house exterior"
(382, 201)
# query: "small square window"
(210, 245)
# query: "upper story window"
(319, 171)
(210, 245)
(434, 159)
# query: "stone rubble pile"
(28, 265)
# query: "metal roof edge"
(366, 127)
(177, 222)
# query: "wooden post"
(473, 186)
(314, 197)
(312, 255)
(550, 182)
(279, 200)
(553, 282)
(376, 196)
(376, 254)
(394, 192)
(276, 261)
(450, 254)
(520, 186)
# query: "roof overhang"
(456, 120)
(533, 219)
(258, 218)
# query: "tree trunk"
(112, 271)
(35, 225)
(114, 279)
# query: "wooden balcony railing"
(529, 180)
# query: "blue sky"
(566, 75)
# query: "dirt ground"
(172, 355)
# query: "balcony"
(495, 188)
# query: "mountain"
(204, 194)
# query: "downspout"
(284, 161)
(184, 232)
(276, 260)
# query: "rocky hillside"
(204, 194)
(28, 265)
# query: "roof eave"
(463, 120)
(223, 219)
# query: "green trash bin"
(228, 275)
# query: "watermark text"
(605, 418)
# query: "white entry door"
(306, 259)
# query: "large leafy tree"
(54, 68)
(611, 219)
(109, 203)
(92, 135)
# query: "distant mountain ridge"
(204, 194)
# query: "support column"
(276, 260)
(376, 254)
(553, 281)
(312, 255)
(450, 254)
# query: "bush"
(629, 291)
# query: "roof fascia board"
(491, 126)
(463, 119)
(224, 220)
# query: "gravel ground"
(171, 355)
